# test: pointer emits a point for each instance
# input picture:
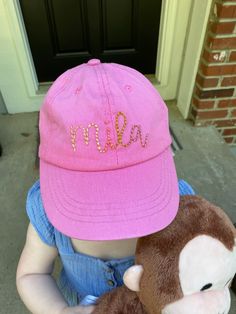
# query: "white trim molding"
(166, 33)
(22, 46)
(173, 29)
(17, 76)
(194, 43)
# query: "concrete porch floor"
(205, 162)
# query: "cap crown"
(101, 116)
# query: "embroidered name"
(135, 134)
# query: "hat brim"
(115, 204)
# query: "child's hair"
(106, 166)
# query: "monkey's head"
(188, 266)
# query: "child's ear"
(132, 277)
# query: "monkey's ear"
(132, 277)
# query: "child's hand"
(88, 309)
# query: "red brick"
(213, 114)
(206, 82)
(218, 70)
(227, 103)
(226, 11)
(229, 132)
(228, 139)
(229, 81)
(223, 28)
(233, 113)
(215, 56)
(232, 57)
(222, 43)
(214, 93)
(224, 123)
(201, 104)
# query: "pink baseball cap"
(106, 166)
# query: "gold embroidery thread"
(135, 134)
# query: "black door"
(65, 33)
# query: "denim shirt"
(81, 274)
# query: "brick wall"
(214, 96)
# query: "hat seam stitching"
(161, 210)
(133, 205)
(102, 88)
(137, 205)
(113, 128)
(109, 107)
(125, 202)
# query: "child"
(107, 177)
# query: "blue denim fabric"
(81, 274)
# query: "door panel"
(63, 34)
(118, 24)
(67, 39)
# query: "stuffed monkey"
(185, 268)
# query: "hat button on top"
(94, 61)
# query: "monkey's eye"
(207, 286)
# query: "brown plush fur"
(120, 301)
(159, 255)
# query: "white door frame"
(194, 42)
(22, 92)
